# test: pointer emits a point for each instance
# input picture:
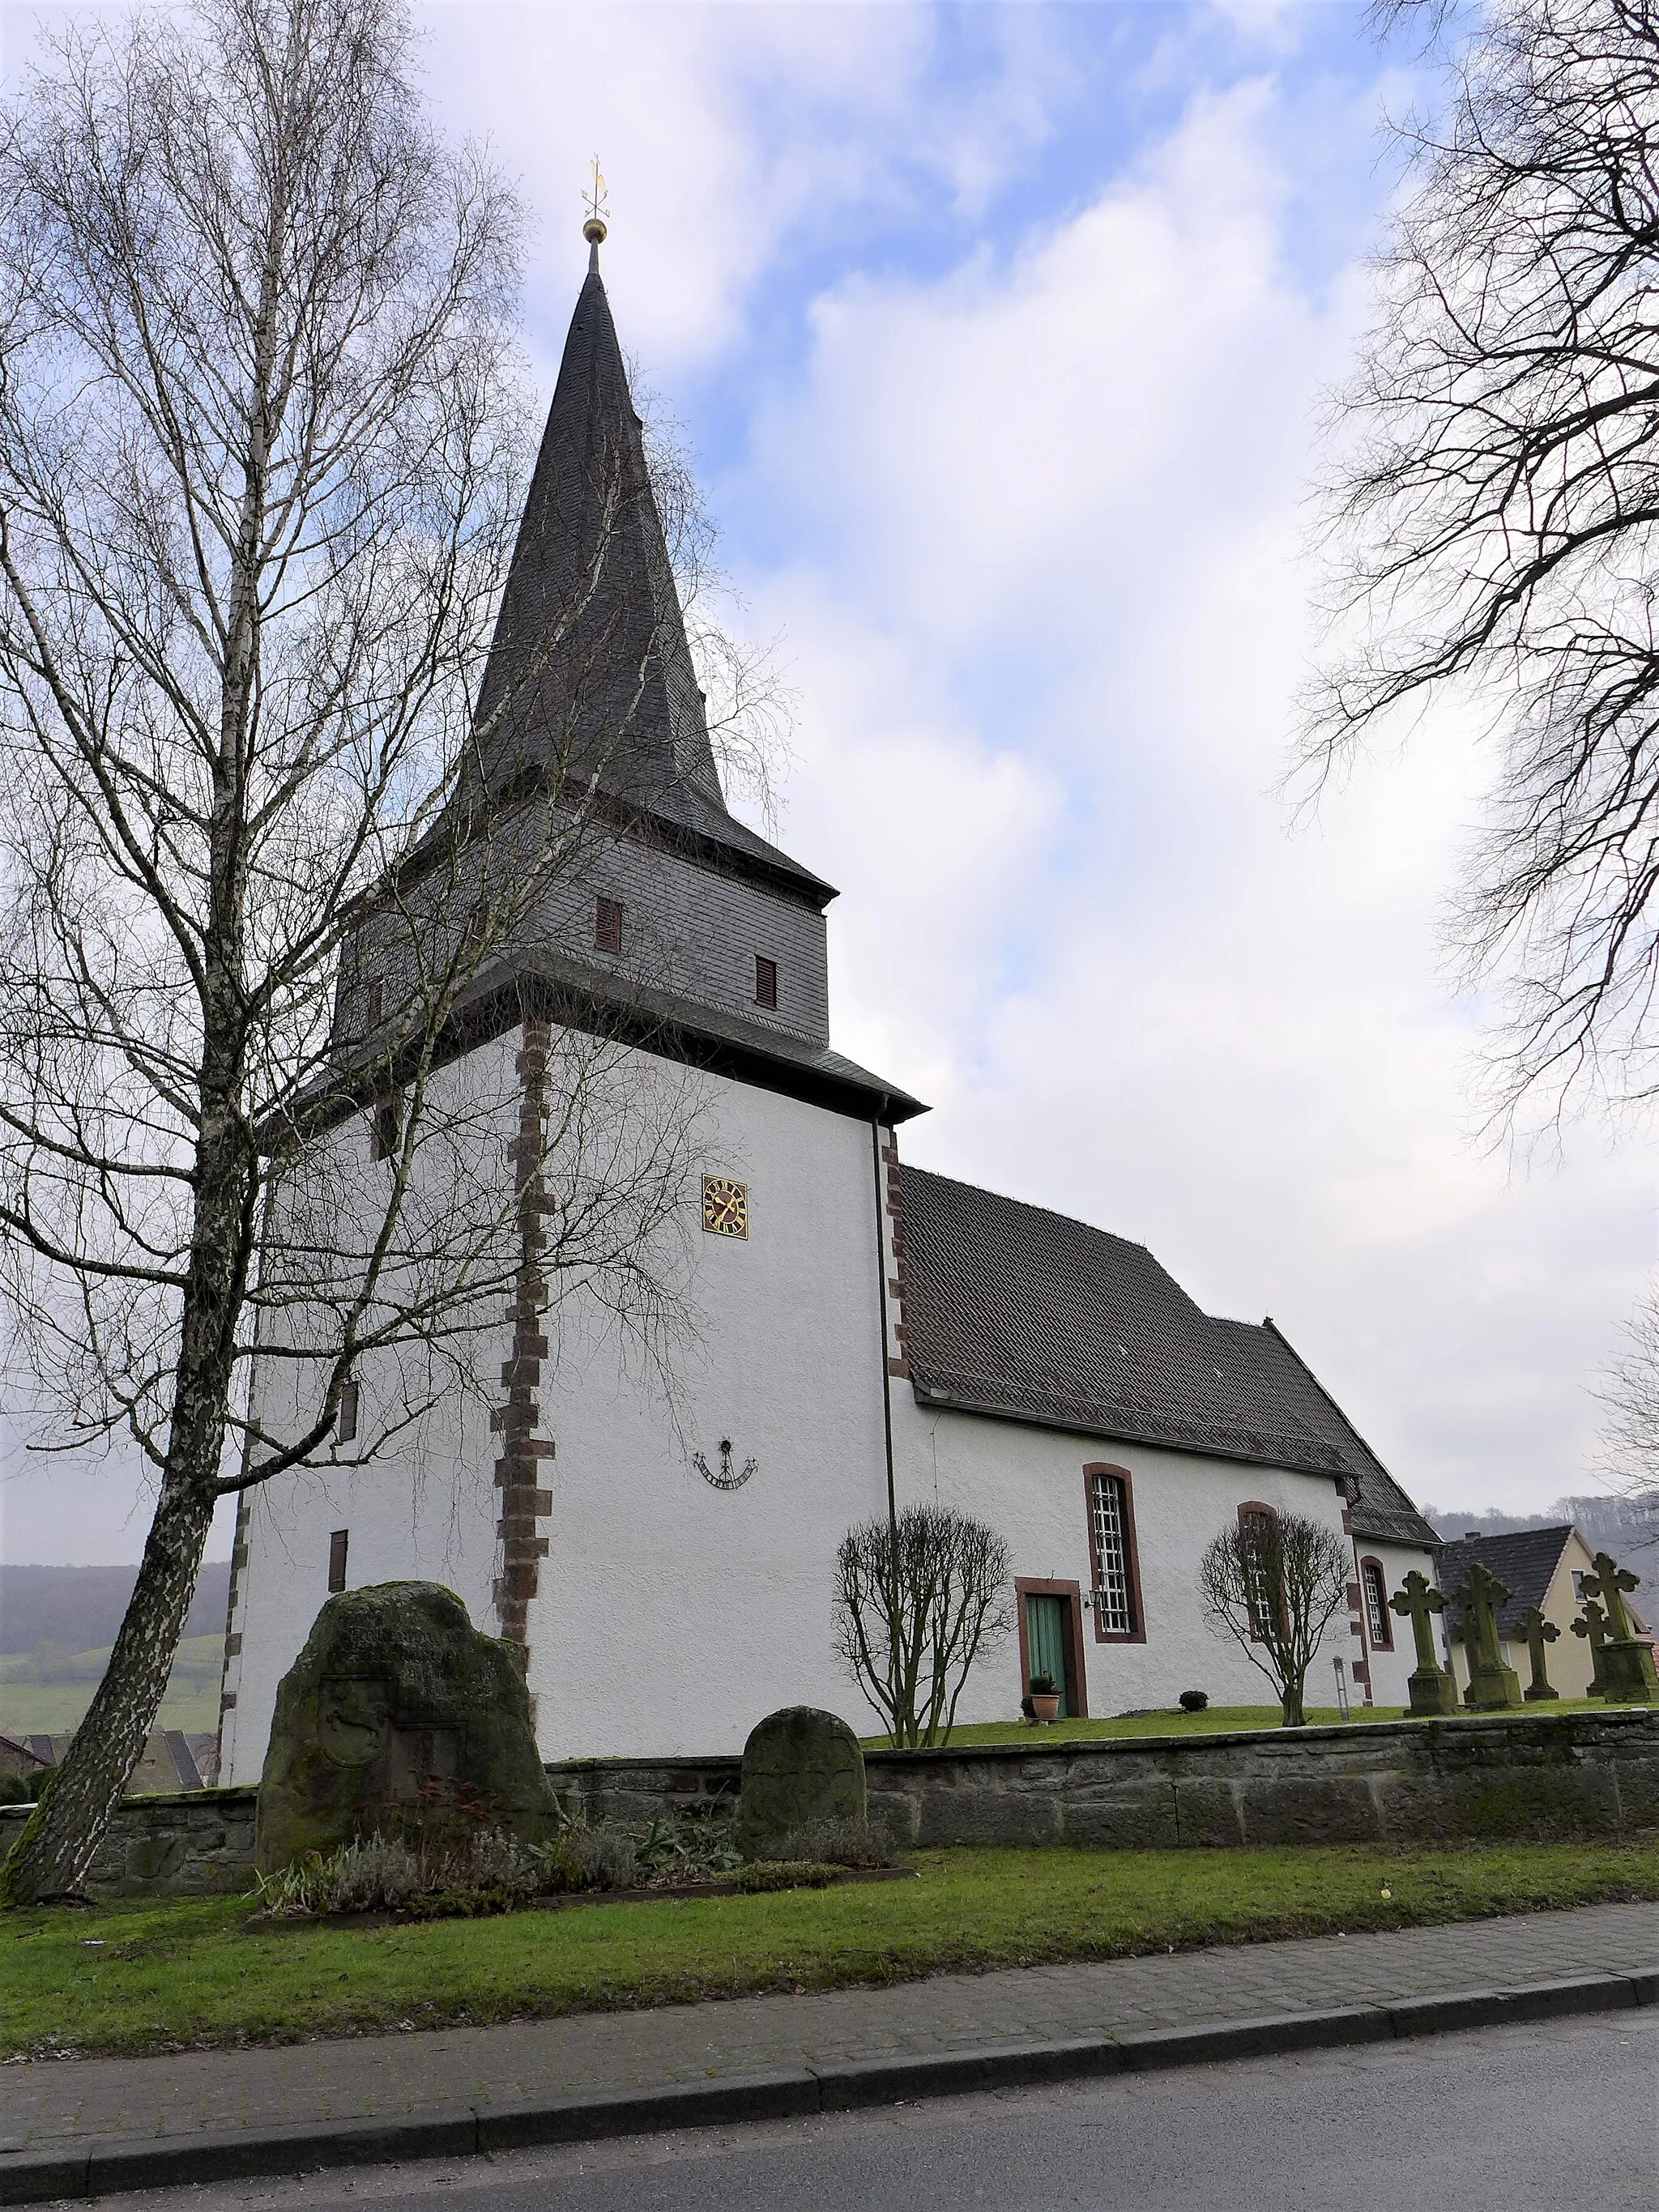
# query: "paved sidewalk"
(67, 2104)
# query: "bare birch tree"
(262, 447)
(1272, 1582)
(917, 1598)
(1491, 519)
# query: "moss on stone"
(394, 1689)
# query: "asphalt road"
(1562, 2119)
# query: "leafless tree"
(262, 447)
(751, 704)
(917, 1598)
(1272, 1582)
(1491, 519)
(1629, 1391)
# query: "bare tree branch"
(916, 1600)
(1491, 524)
(262, 456)
(1272, 1582)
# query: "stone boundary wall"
(1492, 1776)
(185, 1843)
(1526, 1775)
(639, 1788)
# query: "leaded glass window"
(1377, 1605)
(1114, 1612)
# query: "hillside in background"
(56, 1624)
(1622, 1526)
(77, 1609)
(46, 1692)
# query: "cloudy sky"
(999, 335)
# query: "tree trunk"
(61, 1839)
(1290, 1707)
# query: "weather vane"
(597, 206)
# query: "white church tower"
(665, 1568)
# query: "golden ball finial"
(594, 231)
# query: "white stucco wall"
(1029, 1482)
(424, 1511)
(672, 1615)
(1391, 1670)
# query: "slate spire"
(589, 671)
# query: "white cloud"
(1047, 633)
(723, 131)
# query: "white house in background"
(872, 1333)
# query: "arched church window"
(1377, 1618)
(1116, 1592)
(1258, 1527)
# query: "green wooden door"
(1045, 1641)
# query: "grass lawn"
(156, 1976)
(1214, 1721)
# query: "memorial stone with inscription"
(799, 1765)
(395, 1689)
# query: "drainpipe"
(881, 1290)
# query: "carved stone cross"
(1627, 1669)
(1492, 1683)
(1418, 1596)
(1609, 1582)
(1592, 1625)
(1431, 1689)
(1539, 1632)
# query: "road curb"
(100, 2169)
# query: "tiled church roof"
(1015, 1311)
(589, 667)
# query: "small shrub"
(835, 1843)
(1044, 1685)
(688, 1847)
(603, 1857)
(380, 1872)
(1193, 1701)
(763, 1874)
(377, 1874)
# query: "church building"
(871, 1333)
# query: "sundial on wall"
(726, 1475)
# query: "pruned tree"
(1490, 522)
(1272, 1582)
(917, 1598)
(262, 451)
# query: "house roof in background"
(1025, 1315)
(1525, 1561)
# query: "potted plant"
(1045, 1698)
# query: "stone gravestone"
(395, 1688)
(1592, 1625)
(1539, 1632)
(1626, 1661)
(1432, 1688)
(1492, 1686)
(799, 1765)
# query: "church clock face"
(725, 1207)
